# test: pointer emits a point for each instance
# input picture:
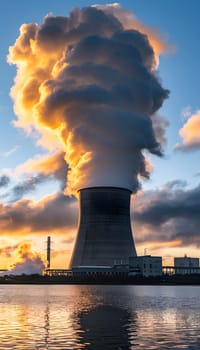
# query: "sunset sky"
(48, 126)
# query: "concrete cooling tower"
(104, 233)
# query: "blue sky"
(178, 23)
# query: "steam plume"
(28, 262)
(92, 83)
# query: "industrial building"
(101, 271)
(186, 265)
(104, 235)
(147, 265)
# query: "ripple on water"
(99, 317)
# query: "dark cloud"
(51, 213)
(57, 213)
(56, 31)
(51, 165)
(49, 168)
(4, 180)
(27, 186)
(171, 213)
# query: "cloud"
(190, 133)
(10, 152)
(34, 172)
(130, 21)
(69, 240)
(90, 81)
(4, 180)
(186, 112)
(170, 214)
(7, 251)
(55, 212)
(48, 165)
(27, 186)
(160, 124)
(24, 187)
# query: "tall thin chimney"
(104, 233)
(48, 252)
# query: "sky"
(150, 143)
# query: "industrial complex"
(104, 249)
(105, 246)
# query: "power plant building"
(186, 265)
(146, 265)
(104, 234)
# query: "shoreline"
(186, 280)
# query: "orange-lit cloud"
(48, 164)
(190, 133)
(28, 262)
(86, 85)
(8, 250)
(54, 212)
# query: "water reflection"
(105, 327)
(99, 317)
(46, 326)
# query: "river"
(99, 317)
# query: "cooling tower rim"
(114, 188)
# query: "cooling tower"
(104, 233)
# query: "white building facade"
(186, 265)
(147, 265)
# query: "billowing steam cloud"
(92, 83)
(28, 262)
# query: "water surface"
(99, 317)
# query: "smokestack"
(104, 233)
(48, 252)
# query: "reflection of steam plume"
(105, 327)
(91, 82)
(28, 262)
